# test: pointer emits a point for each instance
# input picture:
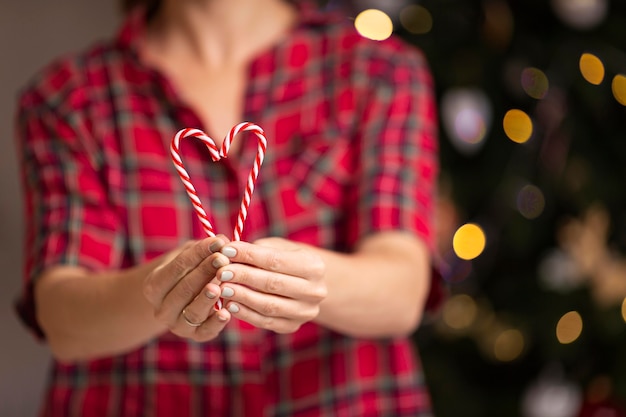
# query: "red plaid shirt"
(351, 126)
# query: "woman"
(332, 274)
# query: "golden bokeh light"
(535, 82)
(416, 19)
(509, 345)
(459, 312)
(569, 327)
(469, 241)
(619, 88)
(624, 309)
(374, 24)
(517, 125)
(591, 68)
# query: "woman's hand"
(272, 283)
(183, 292)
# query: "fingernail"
(210, 294)
(218, 263)
(221, 318)
(226, 276)
(228, 292)
(216, 245)
(229, 251)
(233, 308)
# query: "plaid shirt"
(351, 126)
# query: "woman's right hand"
(182, 292)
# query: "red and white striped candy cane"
(216, 156)
(178, 164)
(254, 171)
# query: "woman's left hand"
(273, 283)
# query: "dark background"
(532, 272)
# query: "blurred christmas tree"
(532, 98)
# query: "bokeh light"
(619, 88)
(469, 241)
(498, 23)
(591, 68)
(517, 126)
(535, 82)
(416, 19)
(553, 395)
(466, 116)
(581, 14)
(560, 272)
(624, 309)
(569, 327)
(599, 389)
(530, 201)
(509, 345)
(459, 312)
(374, 24)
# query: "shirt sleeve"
(397, 142)
(68, 217)
(398, 153)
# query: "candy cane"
(184, 177)
(216, 156)
(254, 171)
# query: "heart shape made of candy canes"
(216, 155)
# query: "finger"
(272, 282)
(268, 305)
(161, 281)
(208, 330)
(199, 310)
(275, 324)
(290, 260)
(188, 288)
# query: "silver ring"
(189, 322)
